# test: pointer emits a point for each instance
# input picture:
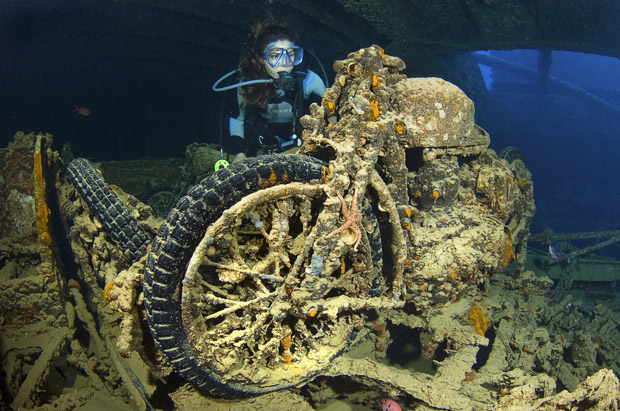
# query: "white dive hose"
(232, 86)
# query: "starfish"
(352, 219)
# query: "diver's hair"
(251, 63)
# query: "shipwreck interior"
(494, 255)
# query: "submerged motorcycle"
(267, 270)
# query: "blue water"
(571, 146)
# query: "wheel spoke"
(234, 305)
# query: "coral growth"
(379, 328)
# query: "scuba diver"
(272, 95)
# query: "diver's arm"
(313, 84)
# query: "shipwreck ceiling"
(197, 35)
(57, 53)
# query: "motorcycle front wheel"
(238, 296)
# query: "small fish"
(390, 405)
(82, 111)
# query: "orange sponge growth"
(331, 106)
(478, 319)
(42, 211)
(375, 108)
(507, 252)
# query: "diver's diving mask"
(282, 57)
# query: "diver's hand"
(239, 157)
